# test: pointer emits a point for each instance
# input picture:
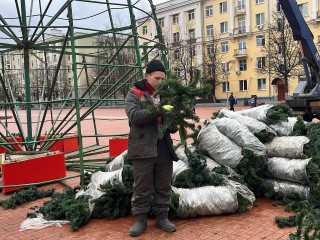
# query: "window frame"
(144, 30)
(191, 15)
(225, 86)
(224, 27)
(243, 85)
(175, 19)
(242, 65)
(224, 47)
(262, 84)
(260, 19)
(262, 39)
(209, 29)
(209, 11)
(223, 7)
(261, 62)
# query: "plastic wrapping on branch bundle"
(259, 129)
(279, 189)
(284, 128)
(116, 163)
(114, 178)
(268, 113)
(240, 135)
(220, 148)
(293, 170)
(287, 146)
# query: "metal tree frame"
(27, 33)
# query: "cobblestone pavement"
(255, 223)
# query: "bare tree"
(183, 58)
(282, 52)
(213, 69)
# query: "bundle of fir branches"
(279, 112)
(25, 195)
(306, 218)
(300, 127)
(253, 169)
(114, 204)
(65, 206)
(181, 97)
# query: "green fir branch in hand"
(182, 99)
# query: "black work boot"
(139, 226)
(163, 222)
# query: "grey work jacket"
(143, 135)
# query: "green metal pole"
(76, 93)
(26, 70)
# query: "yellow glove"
(168, 108)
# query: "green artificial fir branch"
(182, 98)
(279, 112)
(25, 195)
(300, 128)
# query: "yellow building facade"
(242, 27)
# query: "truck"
(306, 96)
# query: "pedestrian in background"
(232, 101)
(151, 157)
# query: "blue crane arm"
(304, 36)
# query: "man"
(151, 157)
(232, 101)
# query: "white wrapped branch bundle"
(220, 148)
(243, 190)
(180, 151)
(259, 113)
(284, 128)
(240, 135)
(288, 169)
(206, 201)
(287, 189)
(101, 178)
(117, 162)
(251, 123)
(287, 146)
(178, 167)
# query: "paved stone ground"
(256, 223)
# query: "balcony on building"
(175, 44)
(240, 53)
(240, 10)
(239, 31)
(191, 41)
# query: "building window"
(261, 62)
(176, 54)
(224, 27)
(259, 1)
(69, 81)
(161, 22)
(210, 69)
(176, 37)
(224, 68)
(224, 47)
(243, 65)
(225, 87)
(223, 7)
(303, 9)
(175, 19)
(261, 40)
(68, 68)
(209, 11)
(261, 84)
(177, 72)
(192, 33)
(243, 85)
(260, 19)
(191, 15)
(209, 29)
(241, 25)
(144, 30)
(210, 50)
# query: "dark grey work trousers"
(152, 174)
